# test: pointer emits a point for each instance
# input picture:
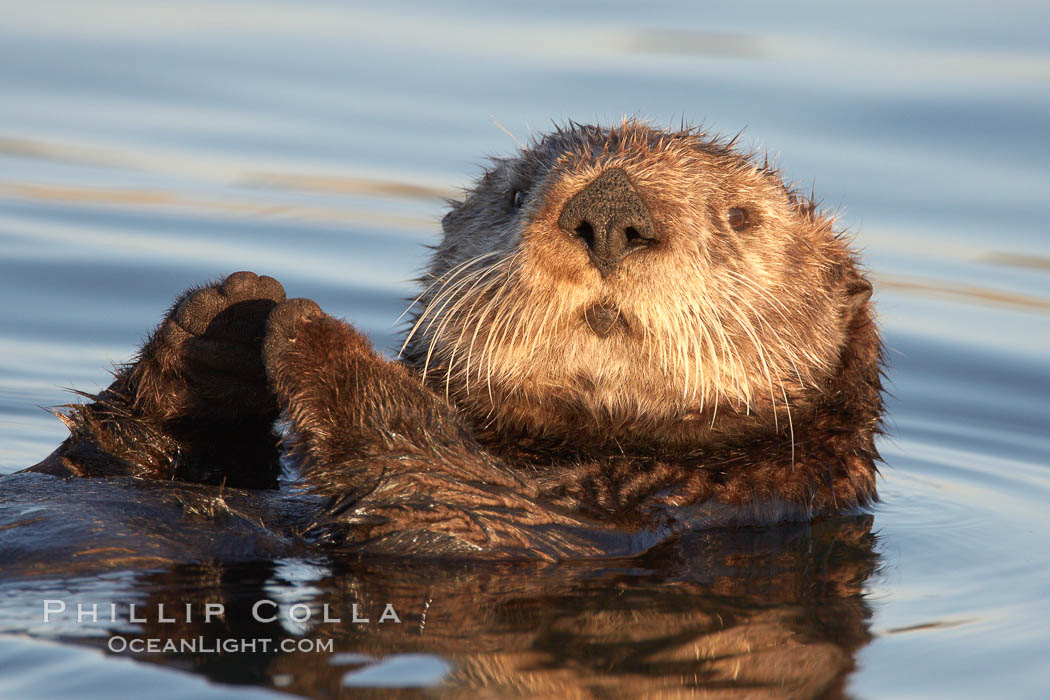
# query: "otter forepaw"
(205, 359)
(323, 374)
(195, 404)
(282, 329)
(302, 341)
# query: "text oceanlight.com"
(201, 645)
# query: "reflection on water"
(145, 147)
(764, 613)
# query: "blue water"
(147, 146)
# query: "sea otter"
(625, 332)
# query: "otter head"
(634, 288)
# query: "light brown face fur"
(721, 333)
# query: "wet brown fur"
(750, 374)
(742, 384)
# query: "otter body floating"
(625, 332)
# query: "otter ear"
(856, 286)
(859, 292)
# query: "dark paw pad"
(235, 309)
(211, 344)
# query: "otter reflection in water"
(755, 613)
(625, 333)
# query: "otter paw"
(282, 329)
(205, 358)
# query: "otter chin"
(603, 320)
(624, 332)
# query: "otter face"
(632, 286)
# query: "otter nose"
(610, 217)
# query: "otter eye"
(517, 199)
(738, 219)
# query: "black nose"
(610, 217)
